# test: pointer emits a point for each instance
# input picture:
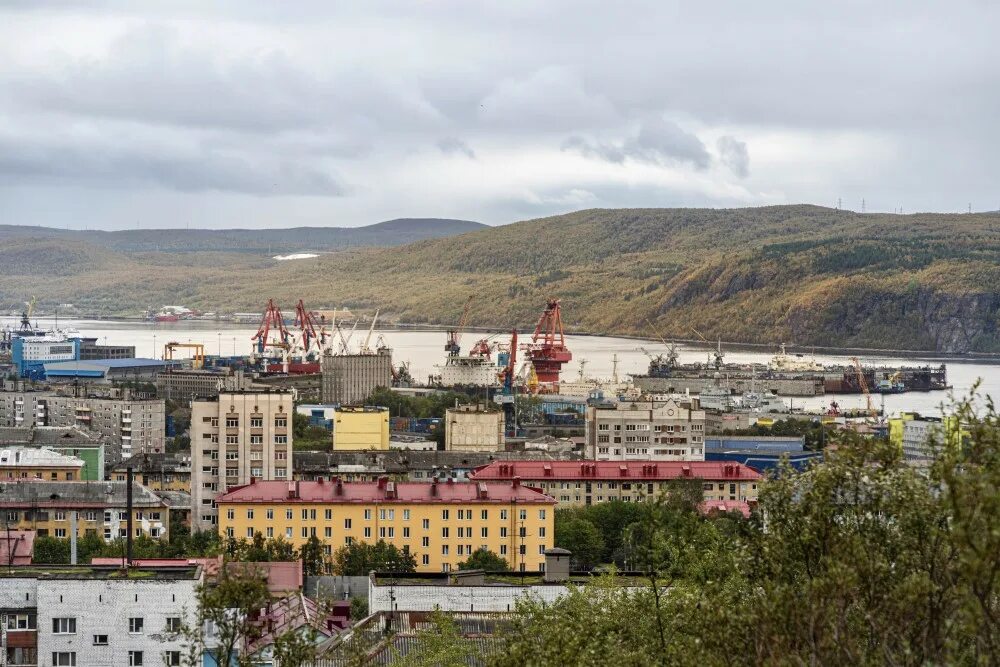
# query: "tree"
(359, 558)
(484, 559)
(359, 609)
(50, 550)
(440, 644)
(227, 605)
(295, 648)
(313, 558)
(581, 539)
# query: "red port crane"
(454, 335)
(272, 320)
(305, 321)
(547, 350)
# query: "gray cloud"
(658, 141)
(734, 155)
(453, 146)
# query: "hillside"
(294, 239)
(800, 274)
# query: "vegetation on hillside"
(799, 274)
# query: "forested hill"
(294, 239)
(799, 274)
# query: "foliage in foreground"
(862, 560)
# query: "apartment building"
(130, 424)
(88, 616)
(440, 523)
(30, 463)
(360, 428)
(157, 472)
(670, 430)
(574, 483)
(235, 437)
(100, 508)
(473, 428)
(70, 441)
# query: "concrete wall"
(470, 429)
(455, 598)
(336, 588)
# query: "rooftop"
(384, 491)
(629, 470)
(97, 495)
(48, 435)
(397, 461)
(34, 457)
(16, 547)
(100, 572)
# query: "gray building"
(187, 384)
(349, 379)
(129, 425)
(90, 350)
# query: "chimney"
(434, 486)
(516, 482)
(340, 487)
(293, 490)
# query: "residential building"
(921, 435)
(235, 437)
(89, 616)
(100, 508)
(473, 428)
(31, 463)
(360, 427)
(669, 430)
(441, 523)
(349, 379)
(574, 483)
(67, 440)
(158, 472)
(129, 423)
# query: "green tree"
(313, 558)
(295, 648)
(484, 559)
(581, 538)
(441, 644)
(359, 558)
(359, 609)
(50, 550)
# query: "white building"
(87, 616)
(473, 428)
(670, 430)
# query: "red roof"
(384, 491)
(724, 506)
(614, 470)
(16, 547)
(282, 576)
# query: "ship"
(785, 375)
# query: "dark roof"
(48, 435)
(402, 461)
(617, 470)
(36, 493)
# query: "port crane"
(547, 350)
(672, 357)
(506, 396)
(451, 345)
(365, 349)
(863, 383)
(718, 354)
(310, 337)
(197, 359)
(271, 322)
(28, 312)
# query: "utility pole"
(862, 205)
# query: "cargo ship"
(786, 375)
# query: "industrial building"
(236, 437)
(48, 508)
(360, 427)
(30, 353)
(187, 384)
(85, 445)
(88, 616)
(31, 463)
(669, 430)
(473, 428)
(90, 350)
(441, 523)
(128, 424)
(575, 483)
(349, 379)
(106, 371)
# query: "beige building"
(360, 427)
(670, 430)
(236, 437)
(349, 379)
(473, 428)
(131, 425)
(30, 463)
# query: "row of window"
(256, 421)
(66, 625)
(384, 515)
(135, 658)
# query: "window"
(484, 515)
(426, 560)
(503, 531)
(541, 514)
(281, 439)
(425, 542)
(64, 659)
(444, 550)
(406, 515)
(484, 531)
(541, 532)
(305, 515)
(60, 516)
(368, 515)
(444, 532)
(279, 473)
(230, 514)
(406, 532)
(288, 515)
(270, 514)
(368, 531)
(347, 524)
(503, 515)
(280, 421)
(135, 625)
(64, 626)
(305, 532)
(100, 640)
(20, 621)
(444, 515)
(249, 514)
(135, 658)
(173, 623)
(328, 532)
(270, 532)
(256, 422)
(232, 422)
(172, 658)
(256, 440)
(426, 524)
(524, 515)
(328, 515)
(60, 532)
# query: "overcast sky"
(243, 114)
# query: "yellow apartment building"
(47, 508)
(32, 463)
(440, 523)
(360, 427)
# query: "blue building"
(762, 453)
(29, 354)
(107, 370)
